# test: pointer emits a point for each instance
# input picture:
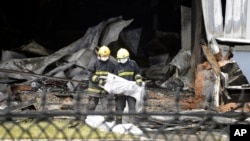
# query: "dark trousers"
(120, 103)
(106, 104)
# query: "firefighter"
(129, 70)
(98, 72)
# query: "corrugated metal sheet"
(248, 21)
(213, 18)
(236, 21)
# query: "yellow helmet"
(122, 53)
(104, 51)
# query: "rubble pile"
(63, 76)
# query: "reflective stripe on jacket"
(128, 70)
(99, 69)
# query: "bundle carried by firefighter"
(118, 85)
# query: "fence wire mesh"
(38, 117)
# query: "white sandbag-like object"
(97, 122)
(127, 128)
(94, 120)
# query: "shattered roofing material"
(80, 52)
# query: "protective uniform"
(98, 71)
(129, 70)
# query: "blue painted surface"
(243, 60)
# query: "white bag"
(118, 85)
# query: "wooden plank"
(215, 66)
(211, 59)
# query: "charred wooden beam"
(197, 27)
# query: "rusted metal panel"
(207, 83)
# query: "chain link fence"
(59, 115)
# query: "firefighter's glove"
(95, 78)
(139, 82)
(101, 82)
(138, 79)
